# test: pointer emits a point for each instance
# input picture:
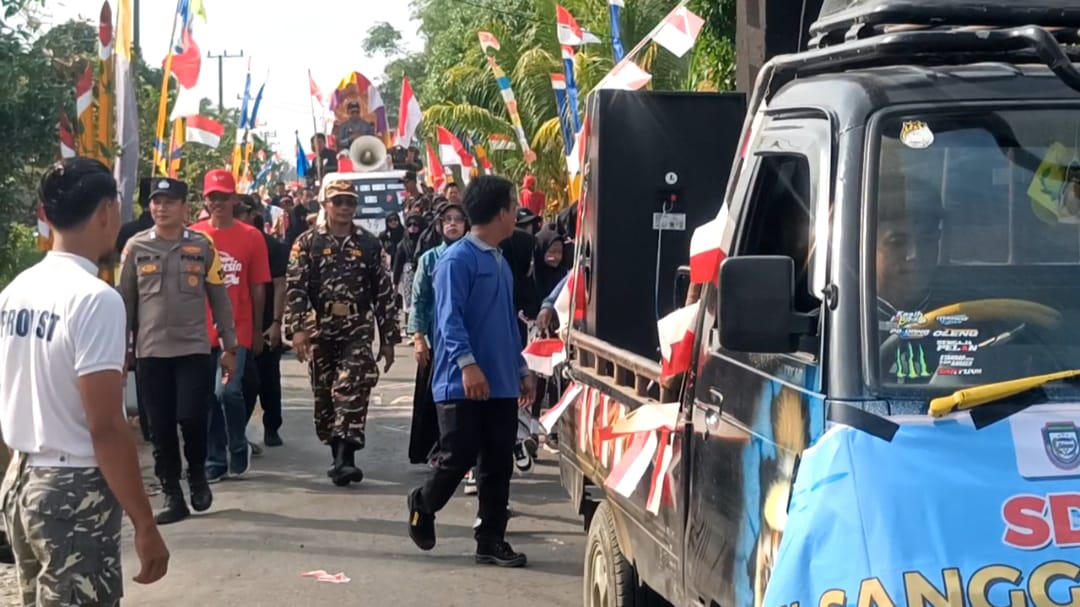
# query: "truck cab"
(901, 229)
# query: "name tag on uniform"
(339, 309)
(191, 249)
(149, 268)
(356, 252)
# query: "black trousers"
(424, 433)
(481, 434)
(262, 383)
(177, 391)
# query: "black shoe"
(272, 439)
(201, 496)
(421, 523)
(7, 557)
(499, 554)
(345, 470)
(175, 508)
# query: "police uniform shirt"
(165, 284)
(58, 322)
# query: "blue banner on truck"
(943, 515)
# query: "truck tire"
(609, 577)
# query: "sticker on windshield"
(911, 362)
(957, 333)
(1047, 441)
(904, 319)
(957, 345)
(916, 134)
(1055, 189)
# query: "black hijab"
(390, 237)
(545, 276)
(406, 250)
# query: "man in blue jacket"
(479, 376)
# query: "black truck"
(903, 222)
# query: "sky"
(325, 37)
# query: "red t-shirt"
(245, 261)
(534, 201)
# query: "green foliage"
(382, 39)
(20, 253)
(457, 90)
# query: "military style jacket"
(337, 288)
(165, 285)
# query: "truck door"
(752, 414)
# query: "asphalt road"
(286, 518)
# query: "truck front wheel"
(609, 577)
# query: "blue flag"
(615, 7)
(255, 107)
(244, 122)
(944, 514)
(302, 166)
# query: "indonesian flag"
(345, 164)
(435, 171)
(567, 27)
(187, 64)
(631, 468)
(679, 31)
(410, 116)
(451, 151)
(200, 129)
(314, 88)
(488, 41)
(67, 137)
(552, 415)
(676, 332)
(627, 76)
(543, 355)
(84, 96)
(499, 142)
(567, 298)
(105, 32)
(660, 473)
(706, 249)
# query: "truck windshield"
(977, 246)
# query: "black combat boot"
(201, 496)
(175, 508)
(345, 470)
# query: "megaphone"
(368, 154)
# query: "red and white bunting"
(706, 249)
(105, 32)
(499, 143)
(552, 415)
(676, 333)
(627, 76)
(84, 91)
(660, 472)
(543, 355)
(679, 31)
(629, 471)
(567, 298)
(488, 41)
(200, 129)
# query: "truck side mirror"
(756, 307)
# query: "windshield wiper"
(969, 398)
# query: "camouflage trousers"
(64, 528)
(343, 372)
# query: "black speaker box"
(653, 158)
(767, 28)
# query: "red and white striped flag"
(451, 151)
(543, 355)
(200, 129)
(706, 249)
(410, 116)
(676, 332)
(552, 415)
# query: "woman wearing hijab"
(548, 258)
(404, 263)
(393, 234)
(423, 440)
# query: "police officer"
(167, 272)
(337, 290)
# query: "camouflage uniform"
(337, 290)
(64, 527)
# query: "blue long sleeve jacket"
(475, 322)
(551, 298)
(422, 306)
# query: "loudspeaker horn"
(368, 154)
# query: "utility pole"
(221, 57)
(135, 39)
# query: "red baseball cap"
(218, 180)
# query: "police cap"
(165, 186)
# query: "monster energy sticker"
(911, 362)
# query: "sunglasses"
(343, 201)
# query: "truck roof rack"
(841, 19)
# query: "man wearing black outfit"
(143, 222)
(265, 383)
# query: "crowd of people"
(210, 296)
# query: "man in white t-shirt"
(62, 350)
